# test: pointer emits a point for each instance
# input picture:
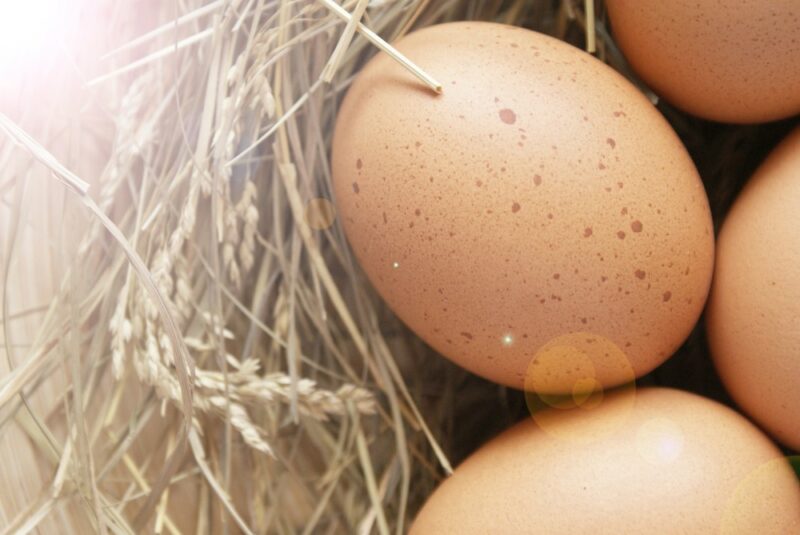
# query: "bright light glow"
(660, 441)
(31, 31)
(507, 339)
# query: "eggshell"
(754, 311)
(735, 62)
(679, 464)
(539, 197)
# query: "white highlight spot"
(395, 265)
(660, 441)
(31, 31)
(507, 340)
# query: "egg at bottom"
(736, 62)
(541, 197)
(753, 319)
(678, 464)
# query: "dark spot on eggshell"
(587, 232)
(611, 142)
(640, 274)
(466, 335)
(556, 276)
(356, 189)
(537, 180)
(359, 164)
(667, 296)
(636, 226)
(621, 235)
(515, 207)
(417, 212)
(508, 116)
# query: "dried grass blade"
(344, 41)
(166, 51)
(591, 43)
(296, 106)
(200, 459)
(19, 136)
(369, 474)
(376, 40)
(30, 517)
(189, 17)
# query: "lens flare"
(753, 505)
(659, 441)
(567, 374)
(30, 31)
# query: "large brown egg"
(754, 311)
(541, 198)
(678, 463)
(735, 62)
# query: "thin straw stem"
(376, 40)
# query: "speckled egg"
(679, 464)
(754, 310)
(735, 62)
(540, 196)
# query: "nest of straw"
(189, 346)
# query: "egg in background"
(736, 62)
(679, 463)
(753, 318)
(541, 197)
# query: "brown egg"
(540, 197)
(678, 464)
(754, 311)
(736, 62)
